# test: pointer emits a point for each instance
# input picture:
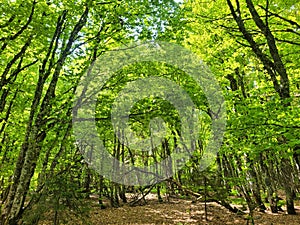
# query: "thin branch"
(286, 30)
(3, 80)
(282, 18)
(8, 22)
(267, 13)
(287, 41)
(13, 37)
(27, 23)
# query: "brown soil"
(179, 212)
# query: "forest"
(149, 112)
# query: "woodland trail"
(179, 212)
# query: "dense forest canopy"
(46, 47)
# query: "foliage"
(46, 46)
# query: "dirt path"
(179, 212)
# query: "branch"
(134, 202)
(282, 18)
(269, 65)
(211, 19)
(287, 30)
(59, 24)
(8, 22)
(267, 13)
(287, 41)
(283, 89)
(3, 80)
(266, 124)
(21, 30)
(184, 189)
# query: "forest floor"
(178, 212)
